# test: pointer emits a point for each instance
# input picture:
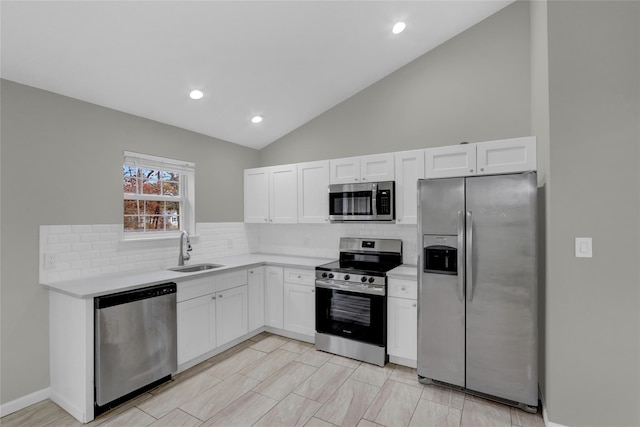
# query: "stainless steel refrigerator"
(477, 315)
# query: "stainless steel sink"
(195, 267)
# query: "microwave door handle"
(374, 200)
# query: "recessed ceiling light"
(256, 119)
(399, 27)
(196, 94)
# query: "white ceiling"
(286, 60)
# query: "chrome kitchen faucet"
(184, 257)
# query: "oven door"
(354, 315)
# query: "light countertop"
(404, 271)
(104, 285)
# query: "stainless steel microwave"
(371, 201)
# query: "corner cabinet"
(256, 297)
(313, 196)
(402, 322)
(274, 297)
(482, 158)
(271, 194)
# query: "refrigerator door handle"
(461, 266)
(469, 253)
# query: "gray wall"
(61, 164)
(474, 87)
(593, 324)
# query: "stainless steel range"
(351, 299)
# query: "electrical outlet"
(50, 261)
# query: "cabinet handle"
(357, 179)
(470, 170)
(265, 220)
(414, 305)
(270, 220)
(364, 179)
(481, 169)
(399, 219)
(403, 289)
(299, 277)
(213, 297)
(219, 296)
(250, 271)
(313, 290)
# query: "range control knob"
(364, 279)
(347, 277)
(324, 274)
(371, 279)
(330, 275)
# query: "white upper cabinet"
(482, 158)
(506, 155)
(283, 194)
(313, 196)
(377, 167)
(455, 160)
(271, 194)
(256, 195)
(409, 169)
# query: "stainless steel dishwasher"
(135, 343)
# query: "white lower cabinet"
(231, 314)
(402, 320)
(208, 317)
(196, 319)
(300, 308)
(256, 298)
(273, 297)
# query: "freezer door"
(441, 303)
(501, 292)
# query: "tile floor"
(274, 381)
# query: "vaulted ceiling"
(287, 61)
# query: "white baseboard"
(545, 416)
(24, 401)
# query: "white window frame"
(187, 171)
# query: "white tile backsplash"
(83, 251)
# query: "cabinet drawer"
(403, 288)
(299, 276)
(230, 280)
(194, 288)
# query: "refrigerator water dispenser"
(440, 254)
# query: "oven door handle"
(347, 288)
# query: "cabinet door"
(402, 327)
(256, 195)
(273, 294)
(344, 171)
(507, 155)
(283, 194)
(231, 314)
(256, 298)
(377, 167)
(313, 196)
(455, 160)
(409, 169)
(299, 308)
(196, 327)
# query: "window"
(158, 196)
